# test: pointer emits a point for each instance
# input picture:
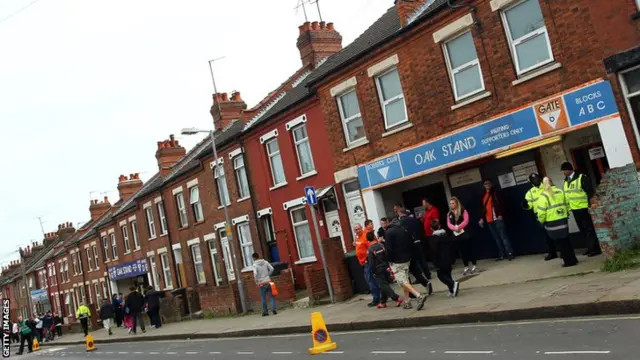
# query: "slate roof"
(104, 219)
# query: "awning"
(533, 145)
(320, 193)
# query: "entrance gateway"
(581, 125)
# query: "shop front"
(581, 125)
(133, 273)
(40, 301)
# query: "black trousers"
(416, 270)
(119, 318)
(466, 251)
(420, 260)
(85, 325)
(29, 340)
(566, 251)
(551, 245)
(137, 318)
(59, 330)
(444, 275)
(384, 281)
(585, 224)
(154, 316)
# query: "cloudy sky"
(87, 88)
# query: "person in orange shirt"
(362, 251)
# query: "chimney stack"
(409, 8)
(230, 109)
(317, 41)
(97, 209)
(168, 154)
(129, 186)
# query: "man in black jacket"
(106, 315)
(135, 301)
(377, 259)
(153, 306)
(418, 266)
(399, 244)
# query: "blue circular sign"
(320, 336)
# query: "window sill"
(307, 175)
(222, 206)
(185, 227)
(115, 259)
(247, 269)
(168, 288)
(356, 144)
(127, 252)
(198, 223)
(244, 198)
(536, 73)
(398, 128)
(152, 238)
(278, 186)
(306, 261)
(164, 234)
(471, 100)
(136, 250)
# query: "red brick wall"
(219, 299)
(316, 283)
(577, 32)
(284, 283)
(338, 274)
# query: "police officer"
(578, 190)
(531, 198)
(553, 213)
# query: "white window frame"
(164, 228)
(529, 36)
(96, 257)
(125, 238)
(166, 271)
(153, 277)
(221, 184)
(197, 263)
(268, 229)
(384, 102)
(296, 143)
(196, 205)
(151, 223)
(62, 271)
(182, 210)
(134, 233)
(241, 170)
(302, 223)
(638, 4)
(270, 157)
(87, 252)
(74, 262)
(105, 249)
(83, 294)
(454, 71)
(114, 246)
(213, 253)
(346, 121)
(627, 98)
(96, 290)
(103, 285)
(245, 243)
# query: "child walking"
(377, 258)
(443, 250)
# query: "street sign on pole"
(310, 195)
(312, 201)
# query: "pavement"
(572, 338)
(527, 288)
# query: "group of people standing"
(42, 327)
(127, 311)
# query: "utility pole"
(41, 226)
(23, 270)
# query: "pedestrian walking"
(127, 320)
(117, 310)
(399, 245)
(578, 190)
(443, 246)
(39, 329)
(47, 324)
(26, 334)
(493, 216)
(262, 271)
(83, 314)
(531, 200)
(107, 313)
(553, 213)
(458, 222)
(135, 301)
(377, 259)
(362, 248)
(153, 306)
(418, 266)
(57, 320)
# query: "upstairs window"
(134, 232)
(275, 162)
(105, 249)
(351, 117)
(125, 238)
(463, 66)
(196, 205)
(527, 35)
(151, 224)
(87, 252)
(303, 149)
(95, 257)
(74, 261)
(114, 246)
(391, 98)
(182, 210)
(241, 177)
(164, 229)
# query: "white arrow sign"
(384, 172)
(551, 118)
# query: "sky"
(88, 87)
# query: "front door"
(334, 227)
(356, 210)
(226, 254)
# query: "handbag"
(274, 289)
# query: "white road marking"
(138, 352)
(382, 352)
(109, 352)
(192, 352)
(214, 352)
(123, 352)
(468, 352)
(576, 352)
(282, 353)
(335, 352)
(154, 353)
(245, 353)
(172, 353)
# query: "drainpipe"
(253, 201)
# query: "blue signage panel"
(128, 270)
(588, 104)
(310, 195)
(39, 295)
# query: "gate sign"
(552, 116)
(128, 270)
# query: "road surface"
(584, 338)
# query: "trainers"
(372, 304)
(429, 288)
(474, 269)
(399, 302)
(275, 312)
(381, 306)
(456, 289)
(421, 300)
(465, 271)
(265, 314)
(406, 305)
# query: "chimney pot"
(330, 27)
(106, 199)
(319, 45)
(315, 26)
(225, 97)
(235, 96)
(323, 24)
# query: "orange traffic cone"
(91, 345)
(320, 334)
(36, 345)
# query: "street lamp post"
(192, 131)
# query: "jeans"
(137, 318)
(264, 290)
(373, 284)
(499, 233)
(387, 292)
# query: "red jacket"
(430, 215)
